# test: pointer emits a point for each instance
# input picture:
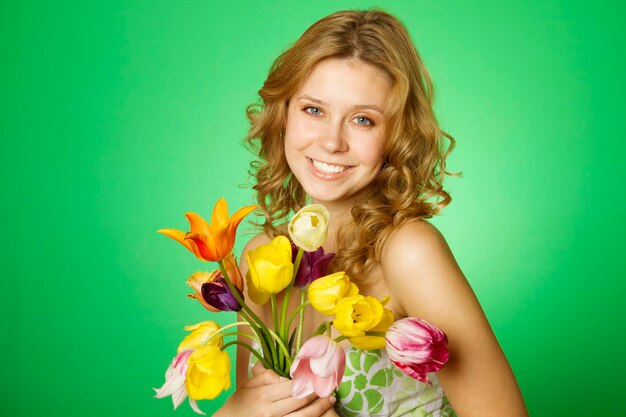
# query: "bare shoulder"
(425, 279)
(255, 242)
(422, 274)
(415, 240)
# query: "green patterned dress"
(373, 386)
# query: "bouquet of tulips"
(201, 368)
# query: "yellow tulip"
(354, 316)
(208, 373)
(200, 333)
(374, 342)
(309, 227)
(324, 292)
(270, 269)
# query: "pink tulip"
(416, 347)
(318, 367)
(175, 381)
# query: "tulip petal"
(233, 271)
(200, 333)
(258, 297)
(218, 295)
(416, 347)
(219, 217)
(321, 265)
(302, 385)
(368, 342)
(196, 280)
(324, 386)
(318, 367)
(194, 407)
(208, 373)
(175, 379)
(315, 346)
(309, 226)
(197, 223)
(179, 396)
(177, 235)
(239, 216)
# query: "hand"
(269, 395)
(330, 413)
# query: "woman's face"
(334, 134)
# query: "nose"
(333, 139)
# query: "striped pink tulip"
(318, 367)
(416, 347)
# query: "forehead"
(347, 83)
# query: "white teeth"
(330, 169)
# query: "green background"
(119, 116)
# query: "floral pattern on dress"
(373, 386)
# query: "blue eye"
(363, 121)
(314, 111)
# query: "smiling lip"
(327, 176)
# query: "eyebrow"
(355, 107)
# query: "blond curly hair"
(410, 184)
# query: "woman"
(347, 121)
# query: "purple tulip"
(312, 266)
(217, 294)
(318, 367)
(416, 347)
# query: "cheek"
(298, 134)
(372, 152)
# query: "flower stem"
(242, 334)
(283, 330)
(240, 300)
(300, 319)
(228, 326)
(321, 329)
(300, 308)
(246, 312)
(274, 312)
(282, 346)
(250, 348)
(269, 349)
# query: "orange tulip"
(210, 242)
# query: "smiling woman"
(334, 137)
(346, 120)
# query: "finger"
(258, 368)
(292, 404)
(315, 408)
(264, 378)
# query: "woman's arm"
(427, 282)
